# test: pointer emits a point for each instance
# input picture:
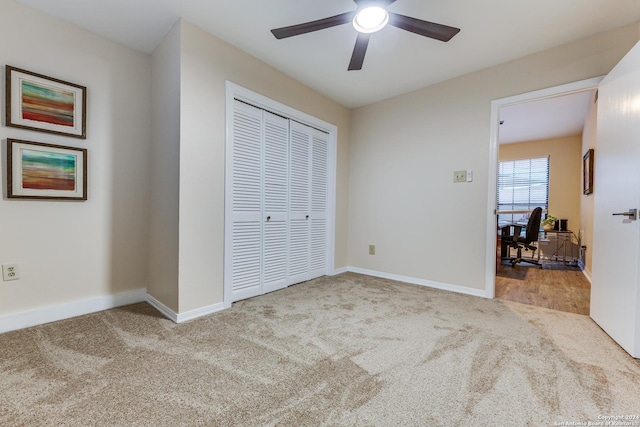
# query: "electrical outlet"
(372, 249)
(460, 176)
(10, 272)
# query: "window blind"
(522, 185)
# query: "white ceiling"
(555, 117)
(493, 32)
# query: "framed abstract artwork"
(45, 104)
(587, 172)
(45, 171)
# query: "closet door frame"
(237, 92)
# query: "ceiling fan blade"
(308, 27)
(424, 28)
(359, 50)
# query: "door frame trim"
(496, 105)
(234, 91)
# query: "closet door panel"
(299, 202)
(319, 192)
(275, 201)
(246, 246)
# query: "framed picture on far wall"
(587, 172)
(45, 104)
(45, 171)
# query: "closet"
(277, 233)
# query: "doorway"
(559, 284)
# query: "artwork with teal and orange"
(47, 104)
(43, 170)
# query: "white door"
(275, 201)
(615, 291)
(299, 199)
(319, 191)
(308, 203)
(245, 243)
(279, 188)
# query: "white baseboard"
(587, 274)
(199, 312)
(187, 315)
(40, 316)
(166, 311)
(422, 282)
(339, 271)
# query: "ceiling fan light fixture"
(370, 19)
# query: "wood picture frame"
(45, 171)
(41, 103)
(587, 172)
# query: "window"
(522, 185)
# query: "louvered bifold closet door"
(299, 202)
(319, 192)
(275, 201)
(246, 239)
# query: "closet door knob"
(307, 217)
(268, 218)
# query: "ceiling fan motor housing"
(362, 4)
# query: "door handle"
(268, 218)
(307, 217)
(632, 214)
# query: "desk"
(563, 239)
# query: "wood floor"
(555, 286)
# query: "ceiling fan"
(370, 16)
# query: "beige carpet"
(349, 350)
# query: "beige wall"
(404, 150)
(205, 63)
(165, 170)
(565, 172)
(586, 201)
(78, 251)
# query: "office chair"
(515, 240)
